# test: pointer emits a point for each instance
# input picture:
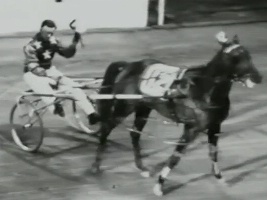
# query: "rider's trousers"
(41, 84)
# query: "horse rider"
(43, 77)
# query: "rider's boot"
(59, 110)
(93, 118)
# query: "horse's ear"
(236, 39)
(221, 37)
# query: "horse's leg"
(121, 111)
(106, 128)
(213, 137)
(140, 121)
(188, 136)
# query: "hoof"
(95, 169)
(220, 179)
(158, 190)
(145, 174)
(222, 182)
(218, 176)
(216, 171)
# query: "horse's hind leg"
(140, 121)
(110, 121)
(213, 137)
(188, 136)
(105, 130)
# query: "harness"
(158, 78)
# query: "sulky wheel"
(26, 126)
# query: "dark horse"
(199, 100)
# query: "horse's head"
(235, 60)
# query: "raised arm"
(69, 51)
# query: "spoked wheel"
(26, 126)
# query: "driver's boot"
(59, 109)
(93, 118)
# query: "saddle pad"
(158, 78)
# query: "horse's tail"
(104, 106)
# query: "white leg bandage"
(165, 171)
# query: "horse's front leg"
(213, 136)
(188, 136)
(140, 121)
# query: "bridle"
(215, 80)
(235, 77)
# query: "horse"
(197, 97)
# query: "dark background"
(193, 11)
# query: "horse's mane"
(196, 71)
(201, 70)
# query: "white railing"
(161, 12)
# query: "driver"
(43, 77)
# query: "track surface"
(60, 170)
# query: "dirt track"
(60, 170)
